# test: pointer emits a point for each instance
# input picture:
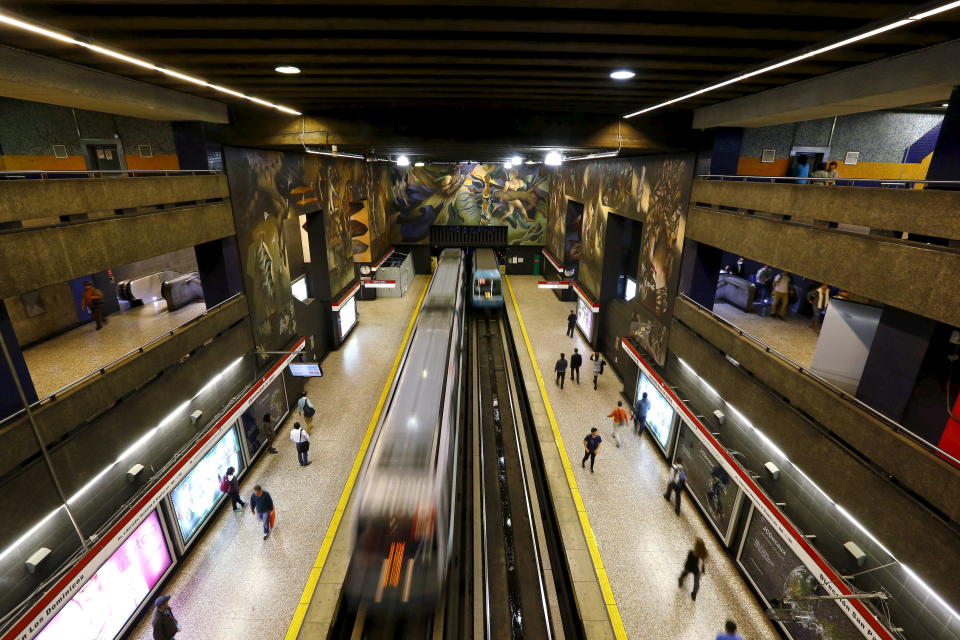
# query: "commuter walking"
(164, 625)
(678, 479)
(301, 439)
(801, 170)
(261, 504)
(230, 486)
(696, 563)
(267, 432)
(92, 303)
(781, 294)
(764, 277)
(819, 298)
(619, 415)
(576, 360)
(597, 364)
(306, 409)
(571, 323)
(591, 447)
(561, 369)
(729, 632)
(640, 410)
(739, 269)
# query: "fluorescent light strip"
(933, 593)
(593, 156)
(802, 56)
(48, 33)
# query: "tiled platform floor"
(792, 336)
(69, 356)
(236, 586)
(642, 543)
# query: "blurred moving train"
(486, 290)
(404, 520)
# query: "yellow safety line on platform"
(612, 609)
(293, 631)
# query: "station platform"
(791, 336)
(640, 542)
(236, 585)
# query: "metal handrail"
(829, 386)
(113, 364)
(869, 182)
(104, 173)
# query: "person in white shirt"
(301, 439)
(781, 294)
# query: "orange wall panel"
(157, 162)
(42, 163)
(753, 167)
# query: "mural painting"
(469, 194)
(654, 190)
(343, 187)
(557, 217)
(376, 238)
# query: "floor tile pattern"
(791, 336)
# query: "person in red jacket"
(619, 416)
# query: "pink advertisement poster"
(102, 607)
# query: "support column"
(725, 157)
(700, 272)
(218, 262)
(9, 395)
(945, 163)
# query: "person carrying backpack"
(678, 479)
(306, 409)
(230, 486)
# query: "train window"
(496, 287)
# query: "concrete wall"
(932, 548)
(908, 277)
(60, 313)
(30, 259)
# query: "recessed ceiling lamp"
(515, 160)
(289, 69)
(890, 26)
(508, 165)
(403, 161)
(622, 74)
(553, 159)
(945, 105)
(418, 164)
(116, 55)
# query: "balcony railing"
(97, 173)
(885, 183)
(830, 387)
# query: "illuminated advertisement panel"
(102, 607)
(347, 316)
(197, 494)
(585, 319)
(708, 480)
(660, 417)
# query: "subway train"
(404, 509)
(486, 290)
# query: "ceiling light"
(594, 156)
(553, 159)
(116, 55)
(896, 24)
(287, 68)
(622, 74)
(418, 164)
(515, 160)
(508, 165)
(945, 105)
(403, 161)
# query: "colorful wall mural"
(370, 244)
(343, 185)
(654, 190)
(468, 194)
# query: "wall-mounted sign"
(306, 370)
(852, 157)
(769, 155)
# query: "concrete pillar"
(190, 142)
(945, 163)
(700, 272)
(725, 157)
(218, 262)
(10, 401)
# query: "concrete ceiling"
(509, 55)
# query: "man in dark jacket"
(165, 626)
(261, 504)
(575, 361)
(571, 323)
(561, 369)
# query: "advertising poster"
(106, 602)
(347, 316)
(585, 319)
(660, 417)
(272, 400)
(785, 582)
(196, 496)
(707, 480)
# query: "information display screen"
(784, 581)
(585, 318)
(660, 417)
(306, 369)
(348, 316)
(197, 494)
(112, 595)
(707, 479)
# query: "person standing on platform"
(306, 409)
(696, 563)
(261, 504)
(576, 360)
(781, 294)
(764, 277)
(561, 369)
(301, 440)
(832, 173)
(230, 486)
(597, 364)
(267, 433)
(739, 269)
(619, 415)
(164, 625)
(729, 632)
(678, 479)
(640, 410)
(591, 447)
(92, 302)
(819, 298)
(571, 323)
